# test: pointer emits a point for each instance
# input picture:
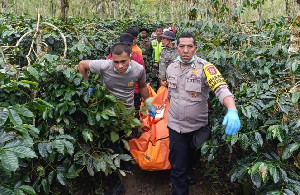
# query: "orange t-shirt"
(137, 49)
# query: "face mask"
(189, 62)
(127, 71)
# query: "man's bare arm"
(143, 90)
(229, 103)
(83, 68)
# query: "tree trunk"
(4, 5)
(52, 8)
(297, 6)
(259, 11)
(64, 9)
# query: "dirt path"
(158, 183)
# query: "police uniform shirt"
(188, 92)
(121, 85)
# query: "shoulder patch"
(213, 76)
(153, 43)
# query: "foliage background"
(159, 10)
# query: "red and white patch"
(212, 70)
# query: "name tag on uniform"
(193, 80)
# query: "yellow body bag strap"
(213, 76)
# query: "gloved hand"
(152, 111)
(91, 91)
(232, 122)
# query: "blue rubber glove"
(91, 91)
(232, 122)
(152, 111)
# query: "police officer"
(167, 55)
(189, 79)
(155, 48)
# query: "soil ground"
(158, 183)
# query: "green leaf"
(274, 173)
(33, 72)
(77, 81)
(126, 145)
(86, 96)
(67, 72)
(114, 136)
(259, 139)
(43, 149)
(72, 172)
(87, 135)
(4, 113)
(9, 161)
(91, 119)
(295, 98)
(233, 139)
(117, 161)
(111, 97)
(22, 152)
(289, 150)
(135, 122)
(104, 115)
(294, 66)
(148, 101)
(24, 111)
(27, 189)
(110, 112)
(46, 186)
(90, 167)
(39, 100)
(63, 109)
(19, 192)
(69, 146)
(59, 145)
(32, 128)
(244, 141)
(125, 157)
(255, 167)
(15, 118)
(6, 191)
(29, 82)
(287, 192)
(100, 165)
(98, 116)
(256, 180)
(245, 112)
(274, 131)
(62, 180)
(21, 129)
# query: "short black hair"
(119, 48)
(159, 26)
(144, 29)
(186, 35)
(132, 30)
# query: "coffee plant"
(53, 135)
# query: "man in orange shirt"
(135, 33)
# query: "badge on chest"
(130, 84)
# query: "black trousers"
(182, 158)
